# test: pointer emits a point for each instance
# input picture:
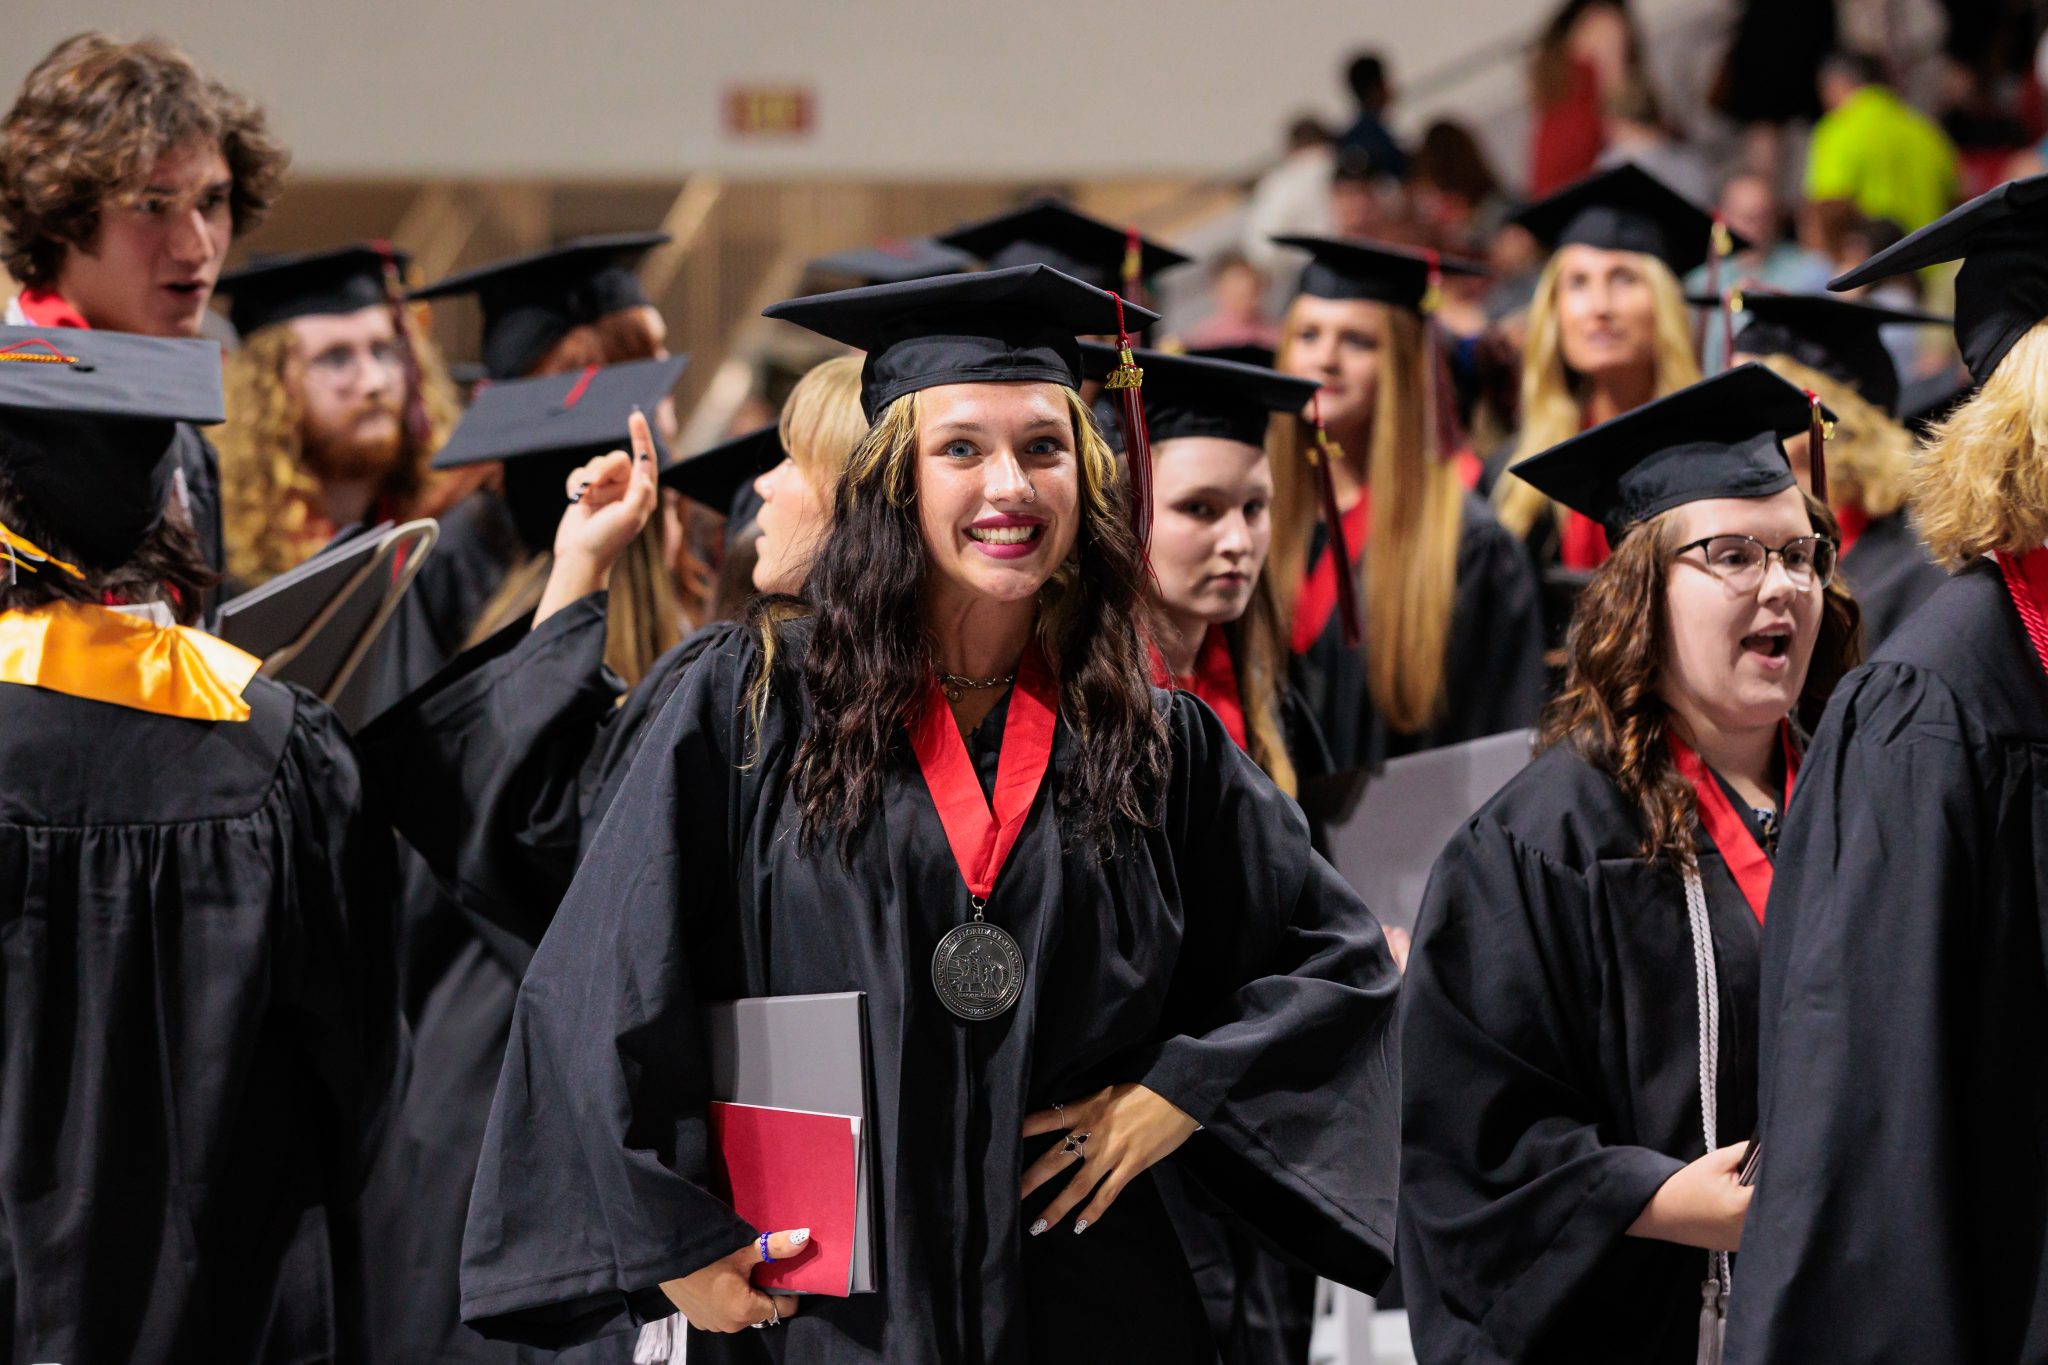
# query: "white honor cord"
(660, 1341)
(1714, 1290)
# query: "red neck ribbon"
(1854, 521)
(47, 308)
(1747, 863)
(1214, 681)
(1317, 597)
(982, 838)
(2026, 579)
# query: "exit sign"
(769, 110)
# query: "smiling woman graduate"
(1579, 1016)
(956, 739)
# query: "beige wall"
(945, 88)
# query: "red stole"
(47, 308)
(1747, 863)
(2026, 580)
(1214, 681)
(1854, 521)
(1317, 597)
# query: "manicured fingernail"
(1038, 1227)
(799, 1237)
(1080, 1226)
(577, 496)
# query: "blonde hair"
(822, 421)
(1410, 566)
(1258, 648)
(1553, 398)
(270, 501)
(1981, 482)
(1869, 456)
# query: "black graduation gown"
(1891, 574)
(1215, 959)
(1902, 1208)
(493, 768)
(1550, 1061)
(201, 1030)
(1493, 675)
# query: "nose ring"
(1030, 491)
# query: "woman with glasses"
(1579, 1015)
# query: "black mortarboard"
(1931, 399)
(273, 289)
(2002, 290)
(894, 260)
(1191, 396)
(1244, 353)
(1047, 232)
(1720, 438)
(531, 302)
(1015, 324)
(715, 476)
(1358, 269)
(1626, 209)
(542, 428)
(1838, 337)
(88, 424)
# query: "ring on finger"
(1061, 1110)
(1075, 1146)
(774, 1318)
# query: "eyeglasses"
(1739, 561)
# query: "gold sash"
(108, 656)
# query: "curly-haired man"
(124, 174)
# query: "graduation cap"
(2002, 290)
(530, 302)
(1020, 323)
(715, 477)
(893, 260)
(1187, 395)
(88, 424)
(1357, 269)
(1838, 337)
(1720, 438)
(1047, 232)
(544, 427)
(273, 289)
(1244, 353)
(1629, 209)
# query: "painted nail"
(577, 496)
(799, 1237)
(1080, 1226)
(1038, 1227)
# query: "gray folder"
(1386, 829)
(806, 1052)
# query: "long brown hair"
(1609, 711)
(869, 661)
(1258, 649)
(1409, 571)
(643, 615)
(168, 567)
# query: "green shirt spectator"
(1877, 152)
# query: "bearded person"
(336, 402)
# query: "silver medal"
(977, 969)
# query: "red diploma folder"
(789, 1168)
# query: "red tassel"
(1127, 381)
(1817, 447)
(1325, 453)
(1134, 265)
(419, 430)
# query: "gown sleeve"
(590, 1189)
(1494, 676)
(481, 766)
(336, 959)
(1511, 1193)
(1285, 1001)
(1891, 1151)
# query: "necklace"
(956, 686)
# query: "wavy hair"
(1553, 405)
(169, 566)
(1609, 711)
(1409, 571)
(91, 120)
(869, 659)
(270, 501)
(1981, 482)
(1870, 457)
